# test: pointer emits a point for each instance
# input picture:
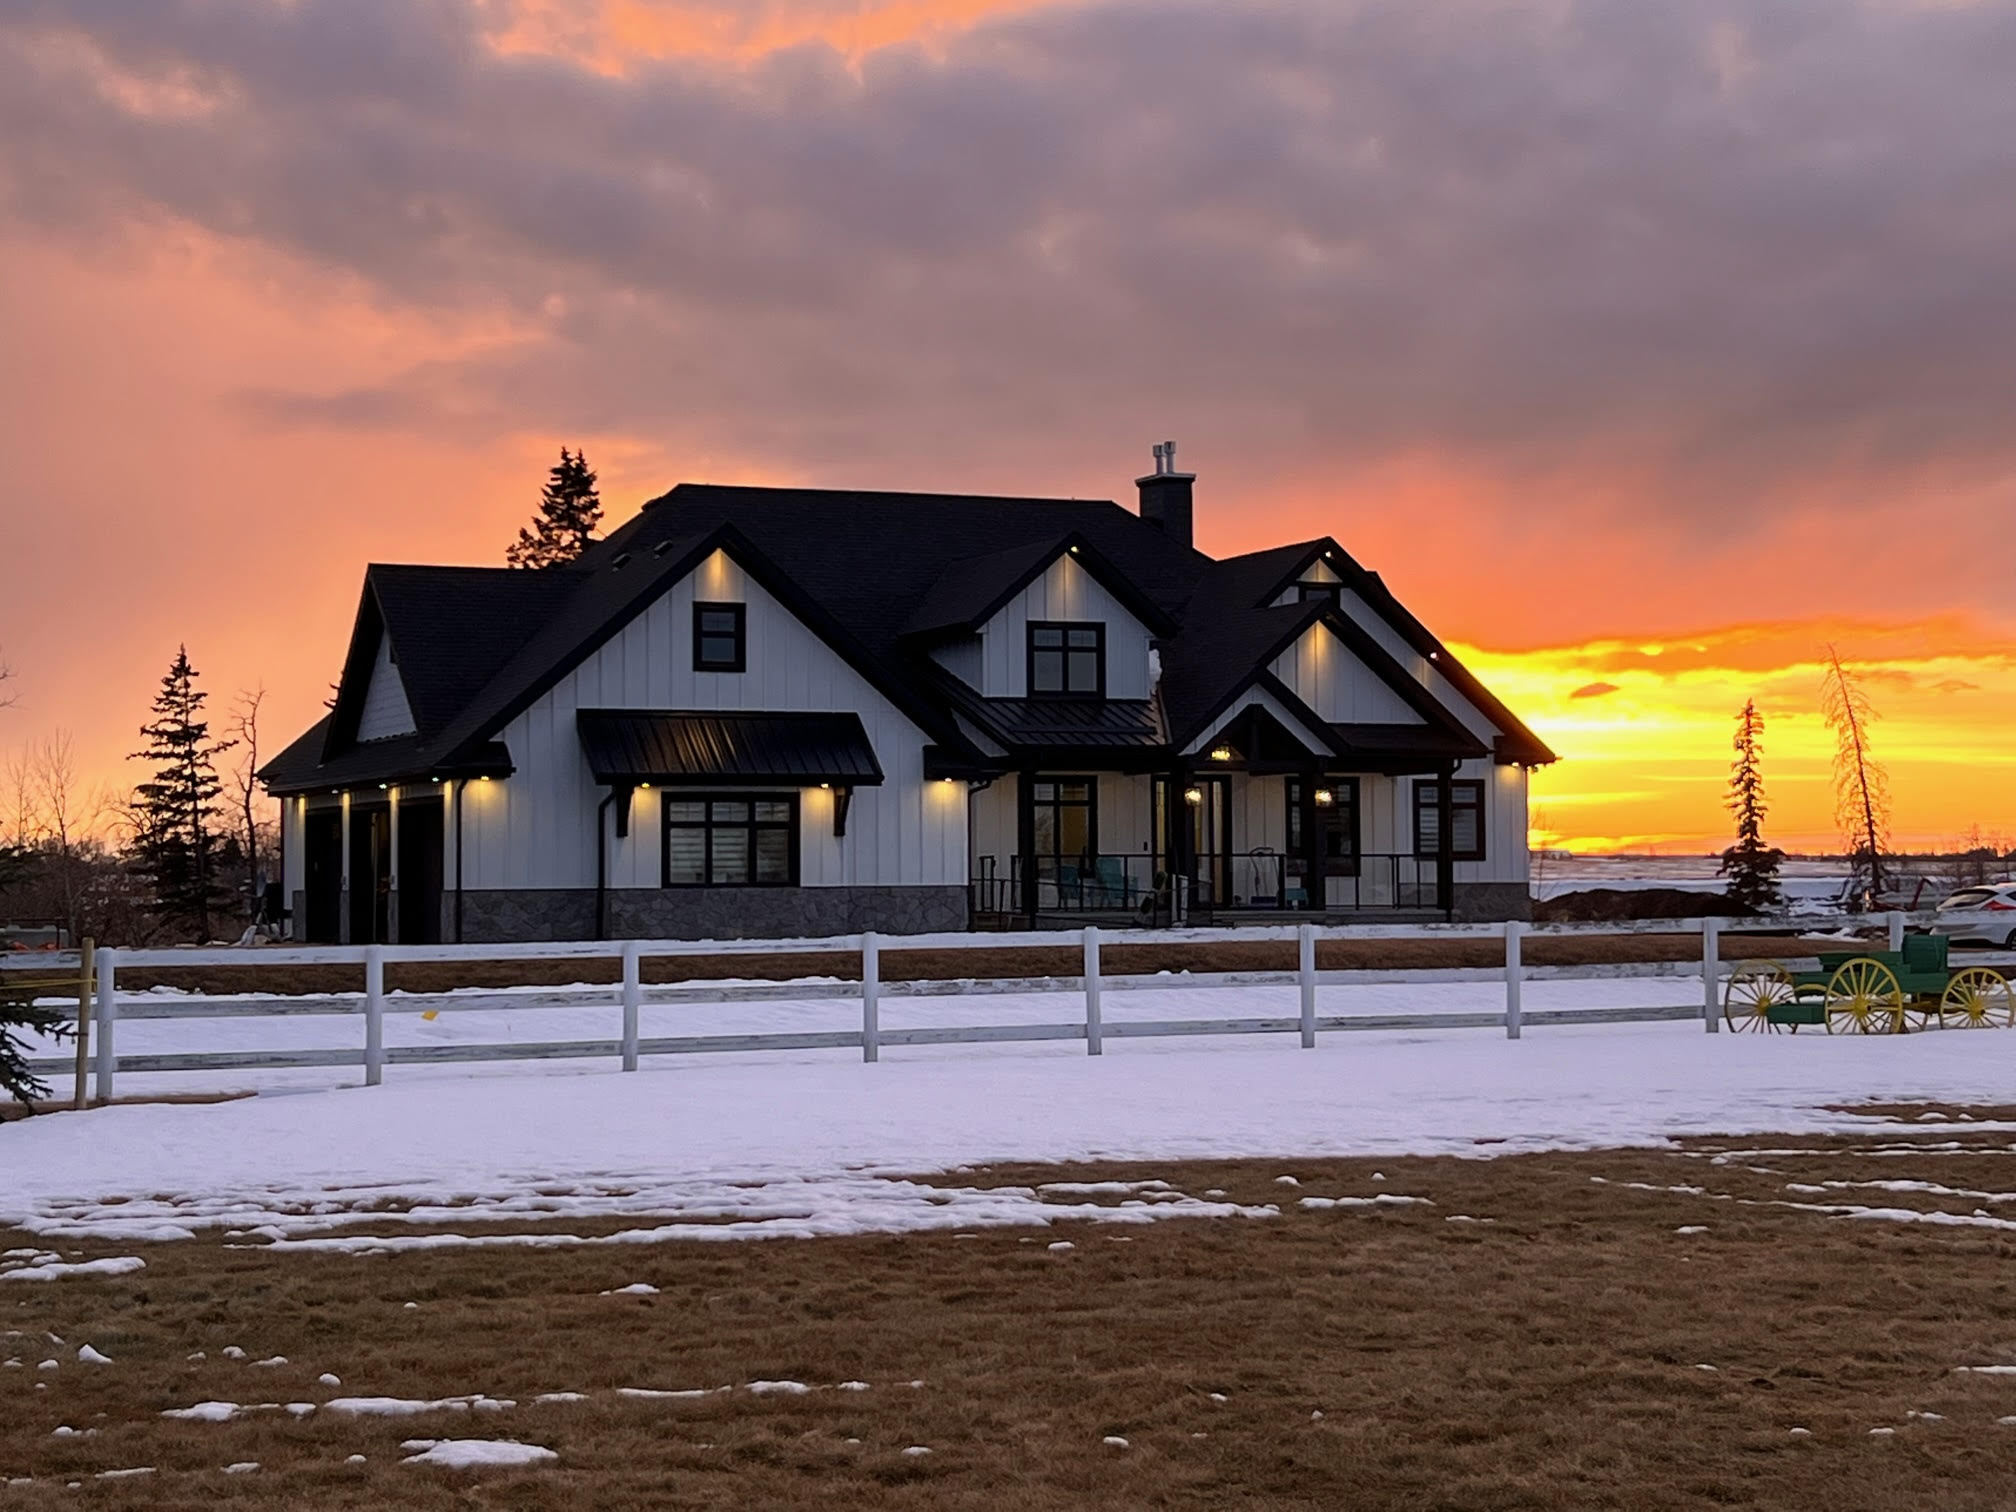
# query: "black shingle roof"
(867, 572)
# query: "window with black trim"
(720, 637)
(1329, 592)
(1336, 804)
(731, 840)
(1466, 820)
(1067, 660)
(1066, 829)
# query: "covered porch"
(1253, 825)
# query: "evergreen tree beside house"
(176, 846)
(569, 511)
(1750, 865)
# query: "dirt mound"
(1603, 905)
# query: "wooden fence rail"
(630, 994)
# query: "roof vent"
(1165, 495)
(622, 561)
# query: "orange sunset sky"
(1646, 350)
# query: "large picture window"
(731, 840)
(1067, 660)
(720, 637)
(1466, 820)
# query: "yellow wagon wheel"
(1864, 997)
(1755, 988)
(1978, 998)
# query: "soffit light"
(1221, 753)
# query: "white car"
(1986, 913)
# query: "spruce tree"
(1750, 865)
(175, 844)
(18, 1011)
(569, 511)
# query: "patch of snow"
(1061, 1247)
(1984, 1369)
(1114, 1441)
(552, 1398)
(242, 1467)
(356, 1459)
(233, 1352)
(1692, 1228)
(383, 1406)
(1881, 1432)
(57, 1270)
(86, 1355)
(916, 1451)
(852, 1386)
(634, 1289)
(199, 1355)
(205, 1412)
(271, 1361)
(480, 1454)
(328, 1378)
(778, 1388)
(646, 1394)
(137, 1470)
(1289, 1181)
(49, 1365)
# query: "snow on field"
(788, 1144)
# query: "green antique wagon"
(1870, 992)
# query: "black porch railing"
(1259, 880)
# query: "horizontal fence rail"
(97, 987)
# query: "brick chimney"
(1165, 495)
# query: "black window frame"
(1308, 589)
(708, 825)
(1427, 802)
(1057, 803)
(701, 635)
(1065, 650)
(1346, 800)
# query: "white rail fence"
(630, 993)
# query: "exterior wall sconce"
(1324, 797)
(1193, 795)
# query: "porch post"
(1314, 879)
(346, 881)
(1445, 863)
(392, 869)
(1025, 840)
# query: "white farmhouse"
(777, 711)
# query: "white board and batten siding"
(1322, 671)
(999, 664)
(386, 712)
(536, 830)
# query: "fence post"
(1515, 979)
(81, 1099)
(1305, 973)
(374, 1015)
(1896, 932)
(1711, 972)
(633, 1001)
(1095, 1024)
(871, 998)
(108, 1014)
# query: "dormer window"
(720, 638)
(1067, 660)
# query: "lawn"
(1635, 1329)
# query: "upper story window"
(720, 637)
(1067, 660)
(1466, 820)
(1332, 592)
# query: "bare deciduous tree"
(244, 731)
(1861, 786)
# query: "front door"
(1335, 841)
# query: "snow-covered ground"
(1807, 885)
(774, 1144)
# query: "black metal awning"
(672, 747)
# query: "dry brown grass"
(1548, 1359)
(1119, 957)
